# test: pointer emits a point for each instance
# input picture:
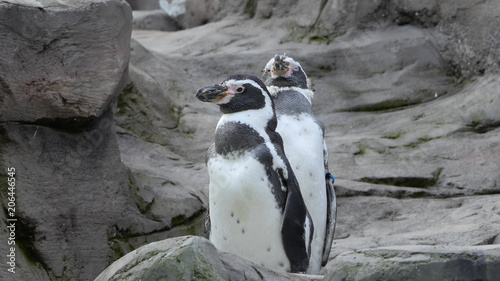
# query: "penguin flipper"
(208, 226)
(331, 209)
(331, 218)
(297, 227)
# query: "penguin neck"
(263, 118)
(258, 119)
(275, 91)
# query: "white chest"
(245, 217)
(303, 144)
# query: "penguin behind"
(305, 147)
(256, 208)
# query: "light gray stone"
(144, 4)
(417, 263)
(183, 258)
(154, 20)
(373, 221)
(63, 61)
(189, 258)
(72, 190)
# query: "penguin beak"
(212, 93)
(280, 66)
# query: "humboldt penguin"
(256, 209)
(305, 147)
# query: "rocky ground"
(408, 93)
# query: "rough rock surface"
(63, 62)
(144, 4)
(408, 93)
(154, 20)
(430, 263)
(63, 180)
(188, 258)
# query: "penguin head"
(237, 93)
(284, 71)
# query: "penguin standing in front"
(256, 207)
(305, 147)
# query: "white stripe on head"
(235, 82)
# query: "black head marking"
(237, 93)
(247, 95)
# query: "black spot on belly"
(238, 221)
(232, 214)
(243, 230)
(282, 264)
(269, 249)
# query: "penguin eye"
(240, 90)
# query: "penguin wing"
(331, 216)
(297, 227)
(208, 224)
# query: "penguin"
(305, 147)
(256, 209)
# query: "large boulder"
(189, 258)
(429, 263)
(379, 221)
(154, 20)
(144, 4)
(63, 62)
(72, 197)
(63, 66)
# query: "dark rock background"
(109, 142)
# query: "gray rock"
(182, 258)
(466, 41)
(166, 190)
(72, 190)
(160, 106)
(415, 150)
(417, 263)
(63, 61)
(372, 221)
(189, 258)
(165, 183)
(154, 20)
(144, 4)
